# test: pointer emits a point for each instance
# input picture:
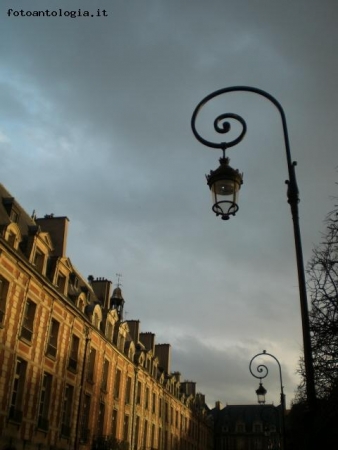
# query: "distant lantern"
(261, 392)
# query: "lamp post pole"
(262, 372)
(225, 183)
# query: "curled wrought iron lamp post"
(262, 372)
(225, 182)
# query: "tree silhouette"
(323, 290)
(322, 271)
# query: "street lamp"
(225, 183)
(261, 392)
(262, 372)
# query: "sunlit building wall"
(74, 373)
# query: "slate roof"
(247, 414)
(25, 222)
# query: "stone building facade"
(247, 427)
(74, 374)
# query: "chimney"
(102, 287)
(188, 387)
(57, 227)
(148, 340)
(163, 352)
(134, 330)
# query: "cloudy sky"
(95, 125)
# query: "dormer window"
(11, 239)
(81, 305)
(11, 209)
(96, 320)
(62, 276)
(39, 261)
(13, 235)
(61, 282)
(131, 353)
(74, 280)
(109, 331)
(121, 343)
(14, 216)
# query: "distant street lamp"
(225, 182)
(260, 373)
(261, 392)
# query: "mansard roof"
(230, 415)
(7, 203)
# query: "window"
(147, 399)
(3, 297)
(165, 439)
(96, 320)
(84, 435)
(117, 383)
(61, 283)
(100, 420)
(145, 434)
(139, 392)
(28, 321)
(126, 428)
(91, 365)
(160, 408)
(67, 411)
(74, 349)
(39, 260)
(43, 423)
(15, 411)
(154, 403)
(152, 436)
(166, 412)
(14, 215)
(121, 343)
(105, 375)
(137, 431)
(81, 305)
(128, 391)
(53, 338)
(160, 438)
(114, 423)
(11, 239)
(109, 331)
